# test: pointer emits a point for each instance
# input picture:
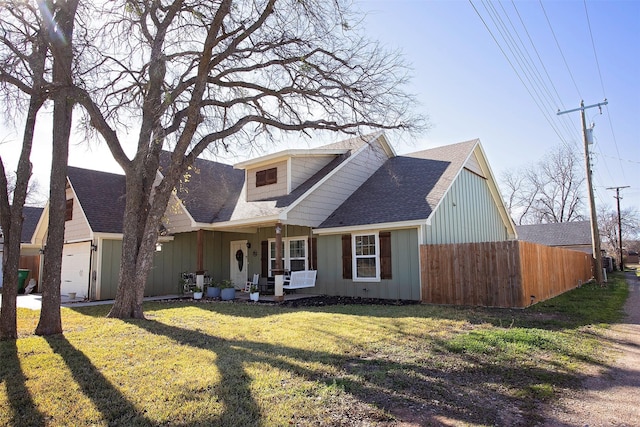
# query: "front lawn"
(243, 364)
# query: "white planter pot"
(197, 295)
(254, 296)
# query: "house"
(574, 235)
(29, 244)
(354, 211)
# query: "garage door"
(75, 269)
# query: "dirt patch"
(324, 300)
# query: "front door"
(238, 263)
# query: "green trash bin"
(22, 277)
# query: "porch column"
(278, 272)
(200, 260)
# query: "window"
(366, 260)
(293, 259)
(367, 257)
(266, 177)
(68, 214)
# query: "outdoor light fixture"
(158, 247)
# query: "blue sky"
(469, 90)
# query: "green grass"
(235, 364)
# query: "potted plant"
(213, 290)
(254, 294)
(197, 292)
(227, 290)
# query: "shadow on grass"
(421, 393)
(111, 403)
(24, 409)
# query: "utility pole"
(595, 234)
(617, 197)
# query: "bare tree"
(548, 191)
(219, 74)
(23, 53)
(59, 32)
(608, 226)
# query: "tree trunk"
(50, 322)
(141, 222)
(11, 221)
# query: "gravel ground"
(611, 393)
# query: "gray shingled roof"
(556, 234)
(101, 195)
(405, 188)
(212, 193)
(210, 187)
(31, 217)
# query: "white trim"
(367, 227)
(287, 154)
(286, 254)
(355, 257)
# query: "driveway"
(34, 301)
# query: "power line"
(559, 48)
(604, 94)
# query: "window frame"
(286, 253)
(355, 257)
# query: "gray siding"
(405, 262)
(467, 214)
(316, 207)
(175, 257)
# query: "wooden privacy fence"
(499, 274)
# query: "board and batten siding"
(77, 228)
(317, 207)
(405, 264)
(175, 257)
(467, 214)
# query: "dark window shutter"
(264, 258)
(266, 177)
(68, 214)
(312, 244)
(385, 255)
(347, 266)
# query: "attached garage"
(76, 269)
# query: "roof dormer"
(278, 174)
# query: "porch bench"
(300, 279)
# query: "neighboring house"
(29, 246)
(354, 210)
(574, 235)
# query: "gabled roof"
(31, 217)
(238, 209)
(575, 233)
(101, 196)
(207, 188)
(405, 188)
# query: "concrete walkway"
(34, 301)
